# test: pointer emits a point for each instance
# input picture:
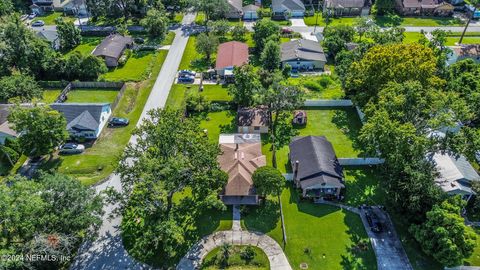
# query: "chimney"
(236, 147)
(295, 171)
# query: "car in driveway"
(32, 16)
(38, 23)
(72, 148)
(186, 72)
(186, 79)
(373, 222)
(118, 122)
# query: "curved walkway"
(194, 257)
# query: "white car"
(72, 148)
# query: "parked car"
(118, 122)
(32, 16)
(186, 79)
(38, 23)
(373, 222)
(286, 30)
(72, 148)
(187, 72)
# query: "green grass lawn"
(412, 37)
(178, 17)
(475, 258)
(169, 38)
(177, 95)
(191, 59)
(451, 41)
(50, 95)
(319, 87)
(200, 18)
(363, 186)
(92, 96)
(50, 18)
(216, 92)
(219, 122)
(99, 161)
(322, 236)
(340, 126)
(259, 262)
(386, 21)
(137, 68)
(87, 45)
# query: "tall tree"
(37, 122)
(20, 86)
(268, 181)
(245, 87)
(219, 28)
(264, 30)
(336, 38)
(70, 36)
(6, 7)
(384, 6)
(213, 9)
(444, 234)
(156, 23)
(270, 57)
(207, 45)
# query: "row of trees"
(51, 215)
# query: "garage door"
(297, 13)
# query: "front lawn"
(363, 185)
(87, 45)
(259, 262)
(340, 126)
(137, 68)
(177, 95)
(319, 87)
(216, 92)
(385, 21)
(50, 95)
(50, 18)
(322, 236)
(92, 96)
(219, 122)
(99, 161)
(191, 59)
(412, 37)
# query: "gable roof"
(5, 128)
(81, 116)
(113, 46)
(345, 3)
(235, 4)
(50, 35)
(420, 3)
(455, 174)
(317, 162)
(240, 161)
(230, 54)
(256, 117)
(288, 5)
(250, 8)
(302, 49)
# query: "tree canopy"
(20, 86)
(206, 45)
(270, 57)
(268, 181)
(245, 86)
(70, 35)
(263, 30)
(156, 23)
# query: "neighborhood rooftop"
(288, 5)
(231, 54)
(302, 49)
(345, 3)
(81, 116)
(112, 46)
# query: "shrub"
(325, 81)
(197, 103)
(247, 254)
(313, 86)
(264, 13)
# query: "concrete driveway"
(386, 244)
(298, 22)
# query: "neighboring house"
(41, 6)
(6, 132)
(250, 12)
(316, 170)
(463, 52)
(424, 7)
(288, 8)
(252, 120)
(84, 120)
(72, 7)
(112, 47)
(344, 7)
(230, 54)
(303, 54)
(455, 175)
(240, 159)
(235, 10)
(51, 36)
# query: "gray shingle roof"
(113, 46)
(288, 5)
(250, 8)
(345, 3)
(317, 161)
(81, 116)
(236, 4)
(302, 49)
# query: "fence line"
(93, 85)
(328, 103)
(360, 161)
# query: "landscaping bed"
(235, 261)
(92, 95)
(322, 236)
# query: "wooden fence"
(121, 86)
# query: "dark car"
(38, 23)
(373, 222)
(187, 72)
(186, 79)
(118, 122)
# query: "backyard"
(319, 87)
(215, 92)
(92, 95)
(385, 21)
(50, 95)
(323, 237)
(98, 161)
(137, 67)
(87, 45)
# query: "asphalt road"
(107, 251)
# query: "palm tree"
(475, 4)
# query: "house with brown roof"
(112, 48)
(253, 120)
(239, 159)
(424, 7)
(231, 54)
(462, 52)
(344, 7)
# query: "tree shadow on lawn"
(349, 123)
(363, 186)
(307, 206)
(262, 218)
(232, 126)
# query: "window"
(256, 128)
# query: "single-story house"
(240, 159)
(250, 12)
(344, 7)
(288, 8)
(112, 47)
(51, 36)
(72, 7)
(303, 54)
(235, 10)
(424, 7)
(456, 174)
(231, 54)
(84, 120)
(253, 120)
(39, 7)
(6, 131)
(316, 170)
(463, 52)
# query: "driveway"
(298, 22)
(107, 251)
(386, 244)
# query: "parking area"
(386, 244)
(298, 22)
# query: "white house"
(84, 120)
